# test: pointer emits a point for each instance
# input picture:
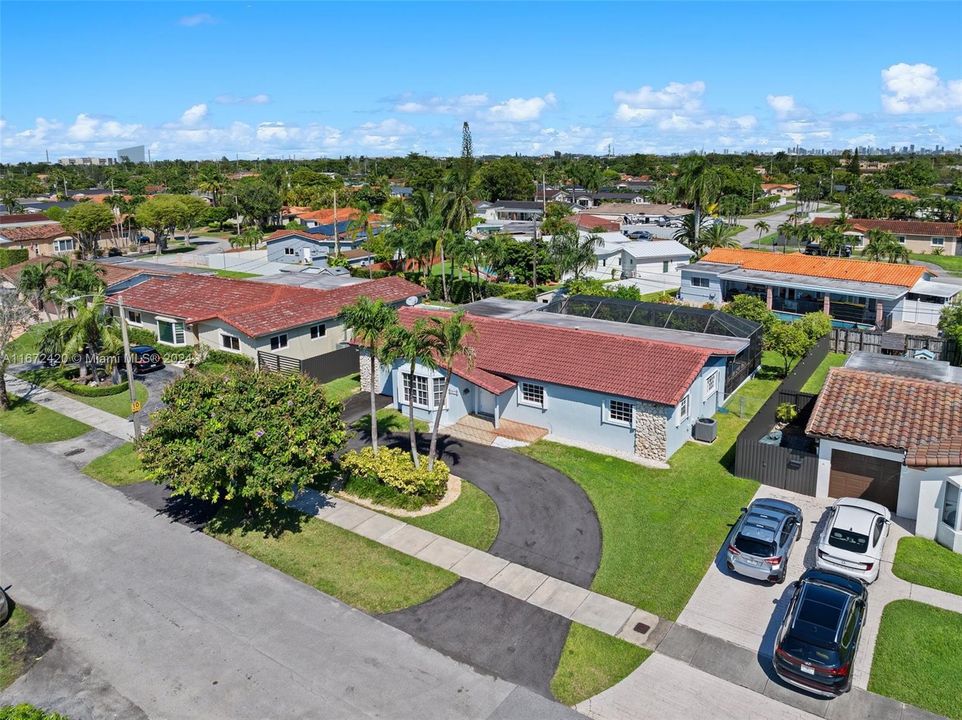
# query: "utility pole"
(131, 386)
(337, 237)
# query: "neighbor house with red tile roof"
(250, 317)
(855, 293)
(593, 383)
(40, 238)
(919, 236)
(889, 430)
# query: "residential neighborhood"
(429, 388)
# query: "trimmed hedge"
(222, 357)
(75, 388)
(12, 256)
(390, 478)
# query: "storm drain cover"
(73, 451)
(642, 628)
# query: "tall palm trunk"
(373, 401)
(433, 450)
(444, 275)
(413, 433)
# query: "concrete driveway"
(748, 613)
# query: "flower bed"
(390, 478)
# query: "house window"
(950, 505)
(279, 341)
(230, 342)
(133, 317)
(938, 241)
(170, 331)
(902, 239)
(532, 394)
(620, 412)
(699, 282)
(683, 409)
(711, 384)
(290, 251)
(62, 246)
(437, 390)
(420, 389)
(318, 331)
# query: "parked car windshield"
(848, 540)
(751, 546)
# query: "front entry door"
(486, 402)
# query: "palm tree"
(718, 235)
(688, 234)
(362, 224)
(449, 338)
(831, 240)
(415, 346)
(213, 183)
(370, 320)
(882, 245)
(72, 278)
(698, 184)
(91, 330)
(33, 284)
(762, 227)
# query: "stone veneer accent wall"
(365, 367)
(651, 431)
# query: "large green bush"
(12, 256)
(222, 357)
(394, 468)
(256, 436)
(28, 712)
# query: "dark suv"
(816, 644)
(144, 358)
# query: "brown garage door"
(861, 476)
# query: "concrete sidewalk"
(570, 601)
(105, 421)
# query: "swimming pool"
(792, 317)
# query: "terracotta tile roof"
(111, 275)
(776, 186)
(630, 367)
(922, 417)
(33, 233)
(823, 267)
(256, 308)
(326, 216)
(898, 227)
(589, 222)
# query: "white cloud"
(674, 96)
(198, 19)
(783, 105)
(521, 109)
(259, 99)
(863, 139)
(87, 128)
(384, 135)
(440, 105)
(848, 117)
(918, 89)
(194, 114)
(958, 119)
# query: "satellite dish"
(413, 300)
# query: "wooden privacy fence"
(844, 340)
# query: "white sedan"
(852, 541)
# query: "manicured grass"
(120, 466)
(358, 571)
(118, 404)
(30, 423)
(342, 388)
(235, 274)
(925, 562)
(952, 263)
(917, 657)
(767, 239)
(660, 295)
(660, 529)
(472, 519)
(817, 378)
(22, 643)
(753, 394)
(592, 661)
(24, 348)
(390, 420)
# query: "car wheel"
(781, 578)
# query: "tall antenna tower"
(467, 153)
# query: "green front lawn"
(25, 347)
(472, 519)
(951, 263)
(30, 423)
(925, 562)
(342, 388)
(661, 529)
(592, 661)
(21, 644)
(390, 420)
(120, 466)
(357, 571)
(918, 655)
(817, 378)
(118, 404)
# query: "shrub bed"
(390, 478)
(12, 256)
(222, 357)
(75, 388)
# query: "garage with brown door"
(866, 477)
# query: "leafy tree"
(415, 346)
(450, 338)
(11, 190)
(192, 213)
(252, 237)
(55, 213)
(950, 321)
(213, 183)
(256, 436)
(790, 341)
(369, 321)
(218, 216)
(751, 308)
(815, 325)
(15, 316)
(698, 184)
(505, 179)
(257, 201)
(85, 221)
(160, 214)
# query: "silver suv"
(762, 540)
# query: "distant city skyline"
(259, 80)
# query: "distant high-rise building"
(135, 154)
(86, 161)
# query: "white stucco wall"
(699, 295)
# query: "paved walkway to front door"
(483, 432)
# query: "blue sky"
(273, 79)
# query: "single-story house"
(306, 247)
(508, 210)
(619, 257)
(638, 213)
(919, 236)
(780, 190)
(603, 387)
(41, 239)
(250, 317)
(888, 430)
(854, 293)
(583, 221)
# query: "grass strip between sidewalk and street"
(22, 643)
(120, 466)
(917, 658)
(592, 661)
(31, 423)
